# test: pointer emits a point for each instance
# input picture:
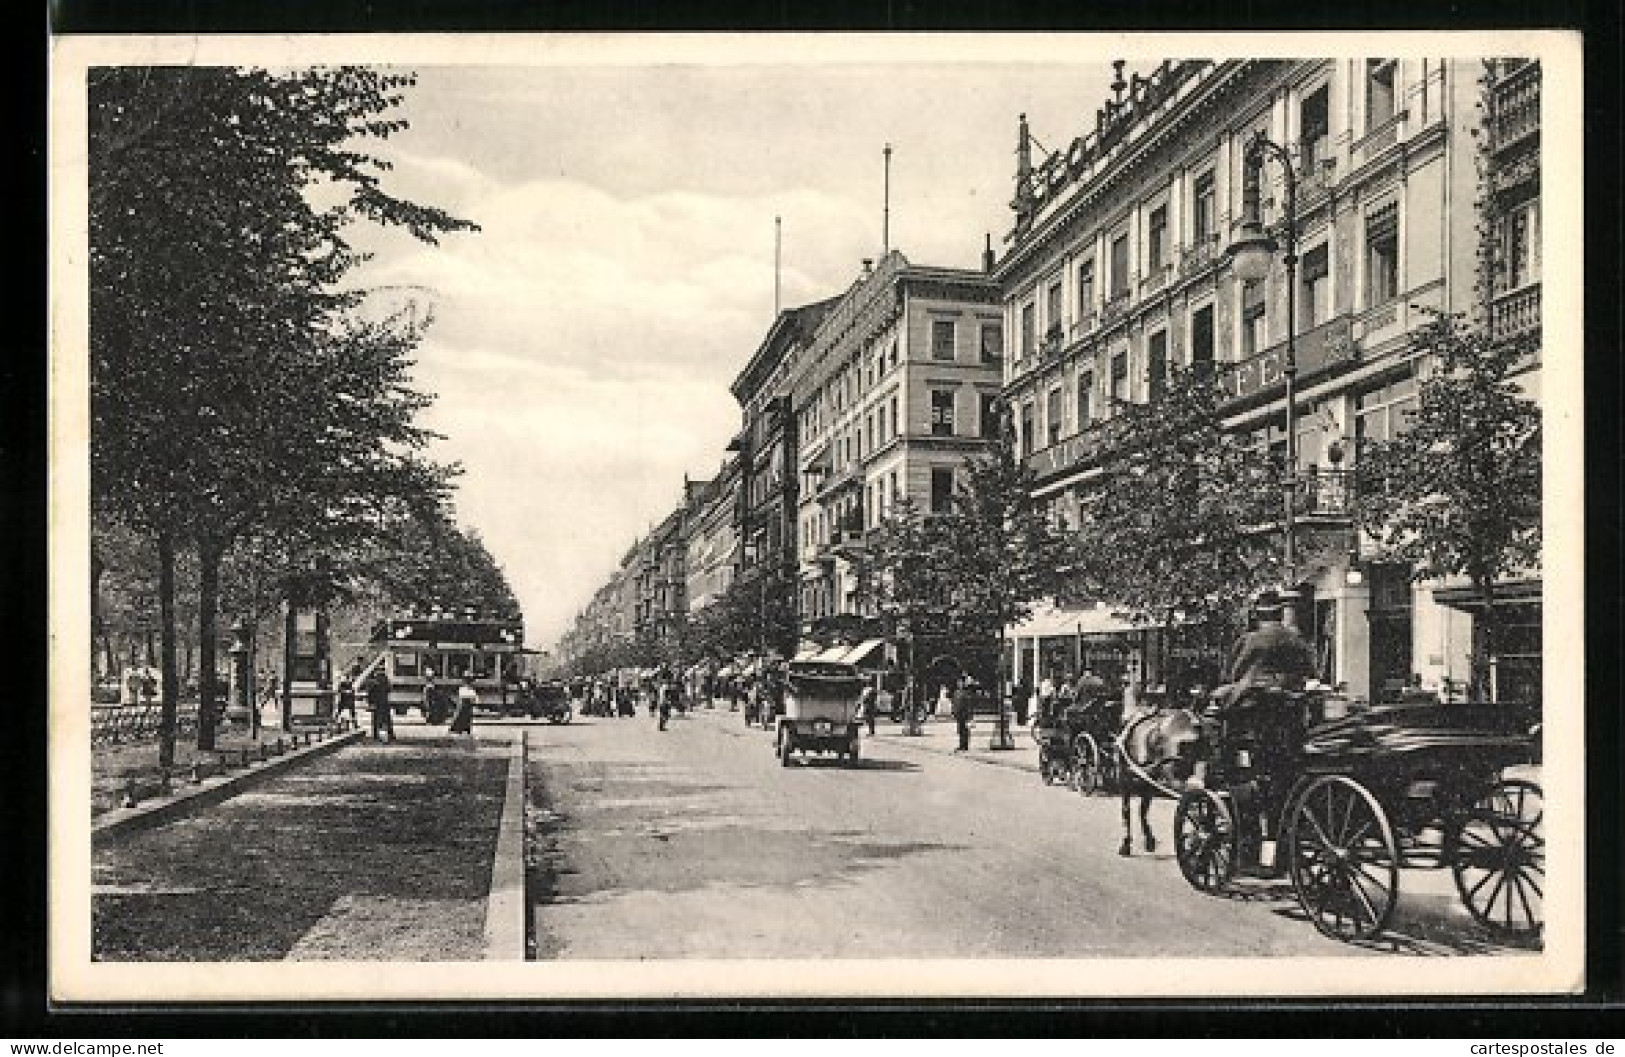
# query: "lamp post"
(1250, 255)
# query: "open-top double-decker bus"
(451, 646)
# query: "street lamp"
(1250, 256)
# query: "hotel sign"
(1329, 344)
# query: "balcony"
(1516, 313)
(1200, 255)
(1081, 327)
(1378, 139)
(1156, 280)
(1115, 308)
(1324, 491)
(1517, 107)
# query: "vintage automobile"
(820, 710)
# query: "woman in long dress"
(467, 696)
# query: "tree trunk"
(168, 681)
(208, 619)
(1488, 642)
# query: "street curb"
(124, 821)
(505, 904)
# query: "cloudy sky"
(585, 339)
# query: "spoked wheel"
(1085, 764)
(1499, 858)
(1345, 864)
(1205, 840)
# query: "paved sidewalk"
(376, 852)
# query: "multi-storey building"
(766, 447)
(1116, 270)
(893, 394)
(712, 537)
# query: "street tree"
(1180, 526)
(218, 207)
(1003, 551)
(1457, 492)
(900, 572)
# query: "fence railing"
(123, 724)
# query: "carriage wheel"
(1085, 764)
(1499, 858)
(1205, 840)
(1345, 864)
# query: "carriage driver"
(1273, 655)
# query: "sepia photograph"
(577, 516)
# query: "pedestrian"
(1024, 699)
(663, 696)
(383, 721)
(347, 691)
(945, 697)
(467, 698)
(961, 706)
(868, 705)
(432, 712)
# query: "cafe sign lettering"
(1329, 344)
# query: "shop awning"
(864, 651)
(1471, 600)
(1049, 622)
(834, 653)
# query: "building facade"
(1117, 271)
(767, 447)
(893, 394)
(712, 538)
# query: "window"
(1119, 276)
(1120, 376)
(1254, 337)
(988, 410)
(405, 663)
(1086, 400)
(1027, 428)
(942, 412)
(893, 354)
(1157, 239)
(942, 339)
(1379, 414)
(1052, 416)
(1202, 338)
(1157, 365)
(1204, 216)
(896, 487)
(869, 432)
(1521, 245)
(1053, 305)
(1314, 129)
(1379, 91)
(992, 342)
(942, 490)
(896, 419)
(1316, 288)
(1029, 326)
(1086, 287)
(882, 413)
(1382, 256)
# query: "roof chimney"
(868, 265)
(987, 254)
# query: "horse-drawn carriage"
(1351, 801)
(1076, 744)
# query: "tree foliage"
(1457, 492)
(1177, 524)
(230, 388)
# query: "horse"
(1154, 759)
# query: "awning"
(863, 651)
(834, 653)
(1050, 622)
(806, 655)
(1471, 600)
